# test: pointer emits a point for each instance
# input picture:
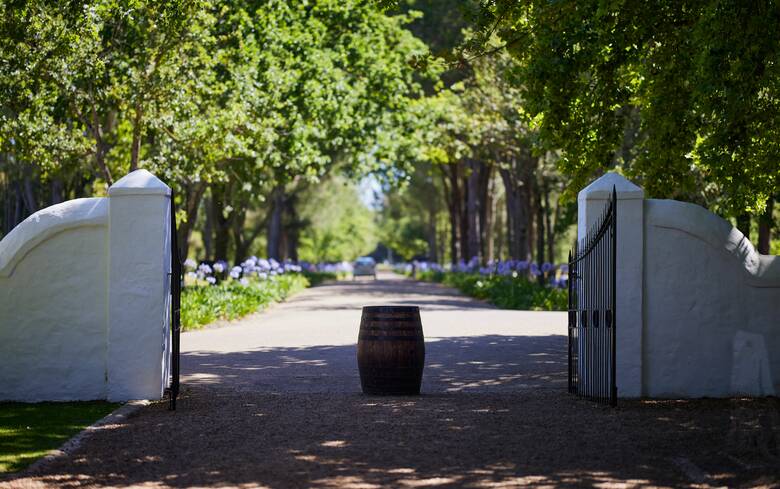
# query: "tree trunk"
(743, 224)
(551, 232)
(283, 243)
(240, 244)
(432, 247)
(275, 223)
(28, 193)
(441, 240)
(528, 206)
(540, 241)
(221, 221)
(454, 237)
(499, 228)
(489, 216)
(517, 215)
(509, 198)
(101, 148)
(293, 228)
(484, 204)
(460, 200)
(208, 230)
(451, 196)
(540, 232)
(57, 191)
(192, 196)
(5, 192)
(548, 227)
(765, 228)
(472, 210)
(135, 147)
(18, 205)
(293, 240)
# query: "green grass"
(204, 304)
(316, 278)
(29, 431)
(504, 291)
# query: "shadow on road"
(219, 438)
(495, 413)
(488, 363)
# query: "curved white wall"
(84, 297)
(698, 309)
(712, 307)
(53, 304)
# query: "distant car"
(365, 265)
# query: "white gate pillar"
(629, 274)
(139, 260)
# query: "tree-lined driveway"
(274, 401)
(307, 345)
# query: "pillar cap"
(601, 188)
(139, 182)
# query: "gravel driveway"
(274, 401)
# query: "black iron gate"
(175, 319)
(592, 320)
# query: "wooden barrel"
(391, 350)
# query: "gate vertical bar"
(568, 318)
(613, 366)
(176, 282)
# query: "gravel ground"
(274, 401)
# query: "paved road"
(307, 345)
(274, 401)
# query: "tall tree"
(683, 97)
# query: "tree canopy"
(480, 119)
(681, 96)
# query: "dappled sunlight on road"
(217, 439)
(486, 363)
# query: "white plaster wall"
(139, 251)
(84, 297)
(629, 300)
(712, 307)
(53, 279)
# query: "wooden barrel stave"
(391, 350)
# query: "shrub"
(505, 291)
(231, 299)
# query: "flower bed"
(216, 291)
(232, 299)
(509, 284)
